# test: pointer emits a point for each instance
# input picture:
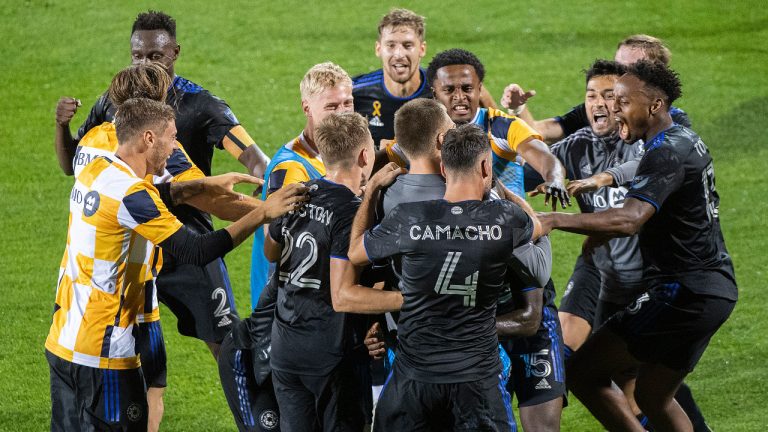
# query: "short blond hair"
(653, 47)
(321, 77)
(340, 136)
(403, 18)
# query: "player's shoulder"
(368, 79)
(186, 86)
(102, 137)
(677, 138)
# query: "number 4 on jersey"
(444, 285)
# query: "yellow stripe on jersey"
(115, 218)
(292, 171)
(506, 132)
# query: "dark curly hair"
(658, 76)
(155, 20)
(604, 67)
(451, 57)
(462, 146)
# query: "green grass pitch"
(253, 54)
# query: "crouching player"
(96, 380)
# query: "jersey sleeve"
(659, 174)
(97, 115)
(142, 210)
(180, 167)
(383, 240)
(340, 231)
(275, 229)
(508, 133)
(519, 222)
(286, 173)
(573, 120)
(219, 120)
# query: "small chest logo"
(376, 115)
(91, 203)
(457, 210)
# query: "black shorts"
(409, 405)
(605, 310)
(86, 398)
(201, 298)
(582, 291)
(336, 402)
(150, 345)
(670, 325)
(537, 363)
(253, 406)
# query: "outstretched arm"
(348, 296)
(537, 154)
(616, 222)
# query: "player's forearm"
(254, 160)
(225, 207)
(612, 222)
(537, 154)
(363, 300)
(246, 225)
(362, 222)
(65, 147)
(189, 247)
(519, 323)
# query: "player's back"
(683, 238)
(454, 259)
(308, 336)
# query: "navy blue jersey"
(682, 241)
(202, 120)
(454, 258)
(374, 102)
(308, 336)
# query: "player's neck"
(134, 160)
(405, 89)
(665, 122)
(309, 138)
(464, 188)
(346, 177)
(424, 166)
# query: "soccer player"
(456, 77)
(326, 88)
(692, 288)
(316, 355)
(204, 122)
(455, 254)
(115, 217)
(631, 49)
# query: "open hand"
(514, 96)
(287, 198)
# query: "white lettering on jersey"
(317, 213)
(446, 232)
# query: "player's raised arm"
(515, 101)
(537, 154)
(365, 214)
(64, 143)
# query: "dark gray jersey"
(454, 260)
(619, 261)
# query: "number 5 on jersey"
(444, 285)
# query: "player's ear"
(148, 140)
(377, 49)
(485, 168)
(423, 49)
(439, 141)
(657, 106)
(442, 169)
(176, 51)
(305, 107)
(363, 158)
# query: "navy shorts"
(582, 291)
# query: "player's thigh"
(656, 385)
(483, 404)
(543, 417)
(405, 404)
(296, 402)
(537, 371)
(111, 399)
(601, 356)
(150, 343)
(64, 413)
(581, 292)
(254, 407)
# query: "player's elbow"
(357, 255)
(340, 300)
(628, 227)
(531, 323)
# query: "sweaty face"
(400, 50)
(627, 55)
(599, 103)
(165, 142)
(155, 46)
(458, 88)
(333, 100)
(632, 108)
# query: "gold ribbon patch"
(376, 109)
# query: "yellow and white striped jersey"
(102, 141)
(114, 219)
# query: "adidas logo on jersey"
(543, 385)
(224, 321)
(376, 121)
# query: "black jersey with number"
(454, 260)
(576, 118)
(682, 240)
(308, 336)
(202, 120)
(374, 102)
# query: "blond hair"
(340, 136)
(653, 47)
(403, 18)
(149, 81)
(321, 77)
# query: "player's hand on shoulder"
(374, 341)
(514, 96)
(66, 109)
(385, 176)
(288, 198)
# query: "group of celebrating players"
(396, 263)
